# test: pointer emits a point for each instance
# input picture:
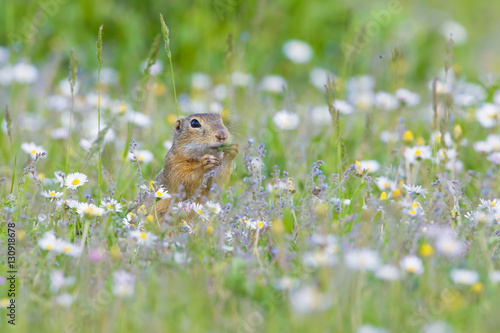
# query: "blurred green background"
(200, 29)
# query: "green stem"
(85, 232)
(99, 127)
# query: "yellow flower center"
(159, 194)
(493, 203)
(418, 152)
(123, 108)
(411, 269)
(260, 224)
(67, 249)
(200, 212)
(89, 212)
(143, 235)
(477, 287)
(33, 151)
(49, 247)
(427, 250)
(140, 158)
(413, 212)
(110, 206)
(75, 182)
(408, 136)
(150, 218)
(383, 196)
(52, 193)
(151, 184)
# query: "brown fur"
(195, 152)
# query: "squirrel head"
(200, 134)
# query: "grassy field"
(365, 197)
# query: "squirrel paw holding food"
(201, 144)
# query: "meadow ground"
(365, 197)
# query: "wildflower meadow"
(365, 196)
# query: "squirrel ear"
(177, 125)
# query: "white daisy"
(343, 106)
(52, 194)
(454, 30)
(495, 277)
(241, 79)
(75, 180)
(111, 205)
(417, 153)
(89, 210)
(368, 166)
(386, 101)
(49, 242)
(385, 184)
(259, 224)
(286, 283)
(415, 190)
(201, 211)
(130, 220)
(297, 51)
(362, 260)
(214, 207)
(32, 149)
(143, 237)
(124, 284)
(448, 246)
(70, 249)
(412, 264)
(492, 205)
(286, 120)
(25, 73)
(273, 83)
(464, 276)
(319, 77)
(64, 299)
(488, 114)
(139, 119)
(143, 156)
(388, 272)
(201, 81)
(407, 97)
(161, 193)
(320, 115)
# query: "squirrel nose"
(221, 136)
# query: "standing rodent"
(201, 144)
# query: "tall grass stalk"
(99, 60)
(335, 114)
(8, 123)
(73, 67)
(165, 32)
(153, 56)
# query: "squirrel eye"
(195, 123)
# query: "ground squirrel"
(201, 144)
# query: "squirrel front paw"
(230, 151)
(209, 162)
